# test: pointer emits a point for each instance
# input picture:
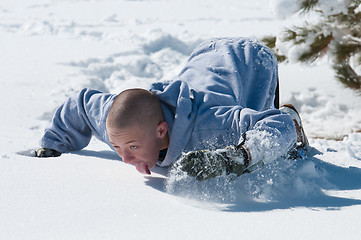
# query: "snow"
(284, 8)
(50, 49)
(334, 7)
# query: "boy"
(224, 96)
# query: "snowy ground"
(50, 49)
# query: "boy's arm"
(268, 134)
(75, 121)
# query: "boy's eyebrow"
(131, 141)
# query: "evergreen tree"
(336, 34)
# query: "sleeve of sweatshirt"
(268, 134)
(75, 121)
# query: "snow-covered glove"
(47, 152)
(207, 164)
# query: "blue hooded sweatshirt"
(224, 93)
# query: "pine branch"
(308, 5)
(297, 35)
(342, 29)
(317, 49)
(300, 35)
(348, 76)
(345, 50)
(270, 41)
(352, 19)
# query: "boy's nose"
(127, 158)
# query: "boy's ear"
(162, 129)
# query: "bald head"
(134, 107)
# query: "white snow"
(333, 7)
(284, 8)
(50, 49)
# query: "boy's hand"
(47, 152)
(203, 164)
(207, 164)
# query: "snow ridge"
(151, 60)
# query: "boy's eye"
(133, 147)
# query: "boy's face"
(138, 146)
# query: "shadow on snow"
(253, 192)
(292, 187)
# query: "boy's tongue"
(142, 168)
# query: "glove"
(207, 164)
(47, 152)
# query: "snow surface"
(50, 49)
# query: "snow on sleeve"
(269, 134)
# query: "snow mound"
(153, 59)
